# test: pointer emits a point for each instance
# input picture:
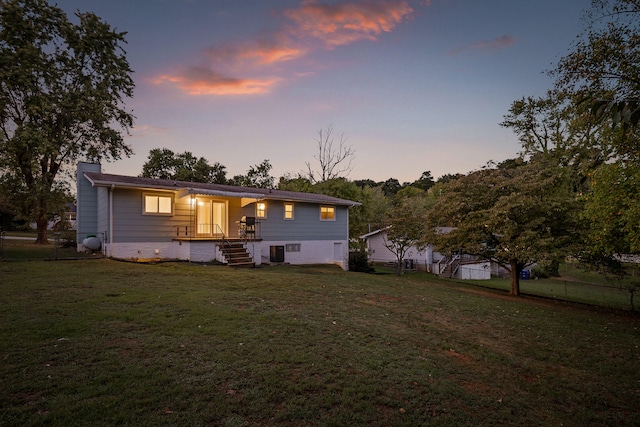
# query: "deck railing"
(195, 232)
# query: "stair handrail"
(225, 242)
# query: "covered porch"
(218, 216)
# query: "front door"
(211, 218)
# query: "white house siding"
(475, 271)
(378, 252)
(142, 250)
(311, 252)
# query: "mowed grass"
(26, 249)
(104, 343)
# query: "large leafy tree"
(62, 89)
(603, 67)
(163, 163)
(604, 63)
(613, 210)
(515, 215)
(558, 128)
(257, 176)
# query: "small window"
(288, 211)
(261, 210)
(159, 205)
(292, 247)
(327, 213)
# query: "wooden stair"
(236, 255)
(450, 268)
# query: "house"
(378, 252)
(455, 266)
(149, 219)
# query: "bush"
(359, 262)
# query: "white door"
(337, 252)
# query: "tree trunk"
(42, 221)
(42, 238)
(515, 278)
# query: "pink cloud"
(202, 81)
(310, 26)
(486, 45)
(344, 23)
(261, 52)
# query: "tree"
(363, 183)
(514, 216)
(406, 228)
(165, 164)
(334, 161)
(447, 177)
(425, 181)
(603, 65)
(62, 88)
(557, 127)
(257, 176)
(613, 210)
(295, 183)
(390, 187)
(603, 68)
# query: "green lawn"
(21, 246)
(102, 343)
(577, 284)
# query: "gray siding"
(306, 224)
(103, 213)
(87, 195)
(130, 225)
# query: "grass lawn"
(21, 246)
(103, 343)
(578, 284)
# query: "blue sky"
(414, 86)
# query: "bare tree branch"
(335, 161)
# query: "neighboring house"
(460, 267)
(65, 222)
(378, 252)
(147, 219)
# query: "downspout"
(111, 219)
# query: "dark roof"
(107, 180)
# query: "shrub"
(359, 262)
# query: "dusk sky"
(414, 85)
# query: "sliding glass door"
(211, 218)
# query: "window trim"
(327, 207)
(158, 196)
(264, 211)
(284, 211)
(292, 247)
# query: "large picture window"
(327, 213)
(155, 204)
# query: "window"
(292, 247)
(159, 205)
(327, 213)
(288, 211)
(261, 210)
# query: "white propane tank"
(92, 243)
